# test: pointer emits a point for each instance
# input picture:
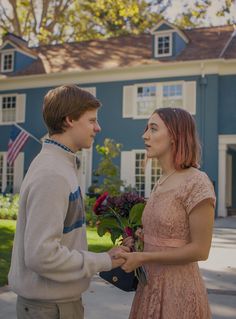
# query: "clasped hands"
(123, 256)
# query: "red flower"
(100, 202)
(128, 231)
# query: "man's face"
(83, 131)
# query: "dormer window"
(163, 45)
(7, 61)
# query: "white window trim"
(162, 34)
(3, 54)
(1, 98)
(148, 172)
(135, 88)
(159, 96)
(20, 108)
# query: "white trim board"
(155, 70)
(224, 141)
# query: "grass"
(7, 230)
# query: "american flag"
(17, 140)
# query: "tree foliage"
(56, 21)
(201, 12)
(107, 168)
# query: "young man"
(51, 266)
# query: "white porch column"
(222, 212)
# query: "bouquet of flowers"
(121, 216)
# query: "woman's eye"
(153, 129)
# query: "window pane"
(10, 178)
(140, 173)
(8, 109)
(1, 172)
(155, 172)
(163, 45)
(146, 100)
(173, 95)
(7, 61)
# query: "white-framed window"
(7, 61)
(11, 176)
(146, 96)
(140, 100)
(12, 108)
(9, 108)
(163, 44)
(139, 173)
(173, 95)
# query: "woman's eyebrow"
(153, 124)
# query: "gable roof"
(172, 28)
(126, 51)
(18, 43)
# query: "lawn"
(7, 229)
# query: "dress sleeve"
(199, 188)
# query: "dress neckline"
(174, 189)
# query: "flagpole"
(21, 128)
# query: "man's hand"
(117, 262)
(132, 260)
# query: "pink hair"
(182, 129)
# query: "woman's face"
(157, 138)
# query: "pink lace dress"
(172, 291)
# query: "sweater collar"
(63, 150)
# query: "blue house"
(131, 75)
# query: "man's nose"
(97, 128)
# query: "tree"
(107, 169)
(57, 21)
(203, 12)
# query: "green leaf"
(110, 223)
(135, 216)
(115, 234)
(101, 230)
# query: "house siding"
(227, 104)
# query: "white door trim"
(224, 141)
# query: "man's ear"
(68, 121)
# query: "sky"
(211, 18)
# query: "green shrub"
(9, 205)
(91, 218)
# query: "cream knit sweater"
(50, 260)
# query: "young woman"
(177, 223)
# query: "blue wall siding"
(8, 46)
(163, 27)
(227, 104)
(208, 128)
(234, 179)
(22, 61)
(129, 132)
(178, 44)
(33, 123)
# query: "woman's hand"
(128, 242)
(139, 233)
(132, 260)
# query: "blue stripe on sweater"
(78, 224)
(75, 195)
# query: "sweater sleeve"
(44, 252)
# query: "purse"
(120, 279)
